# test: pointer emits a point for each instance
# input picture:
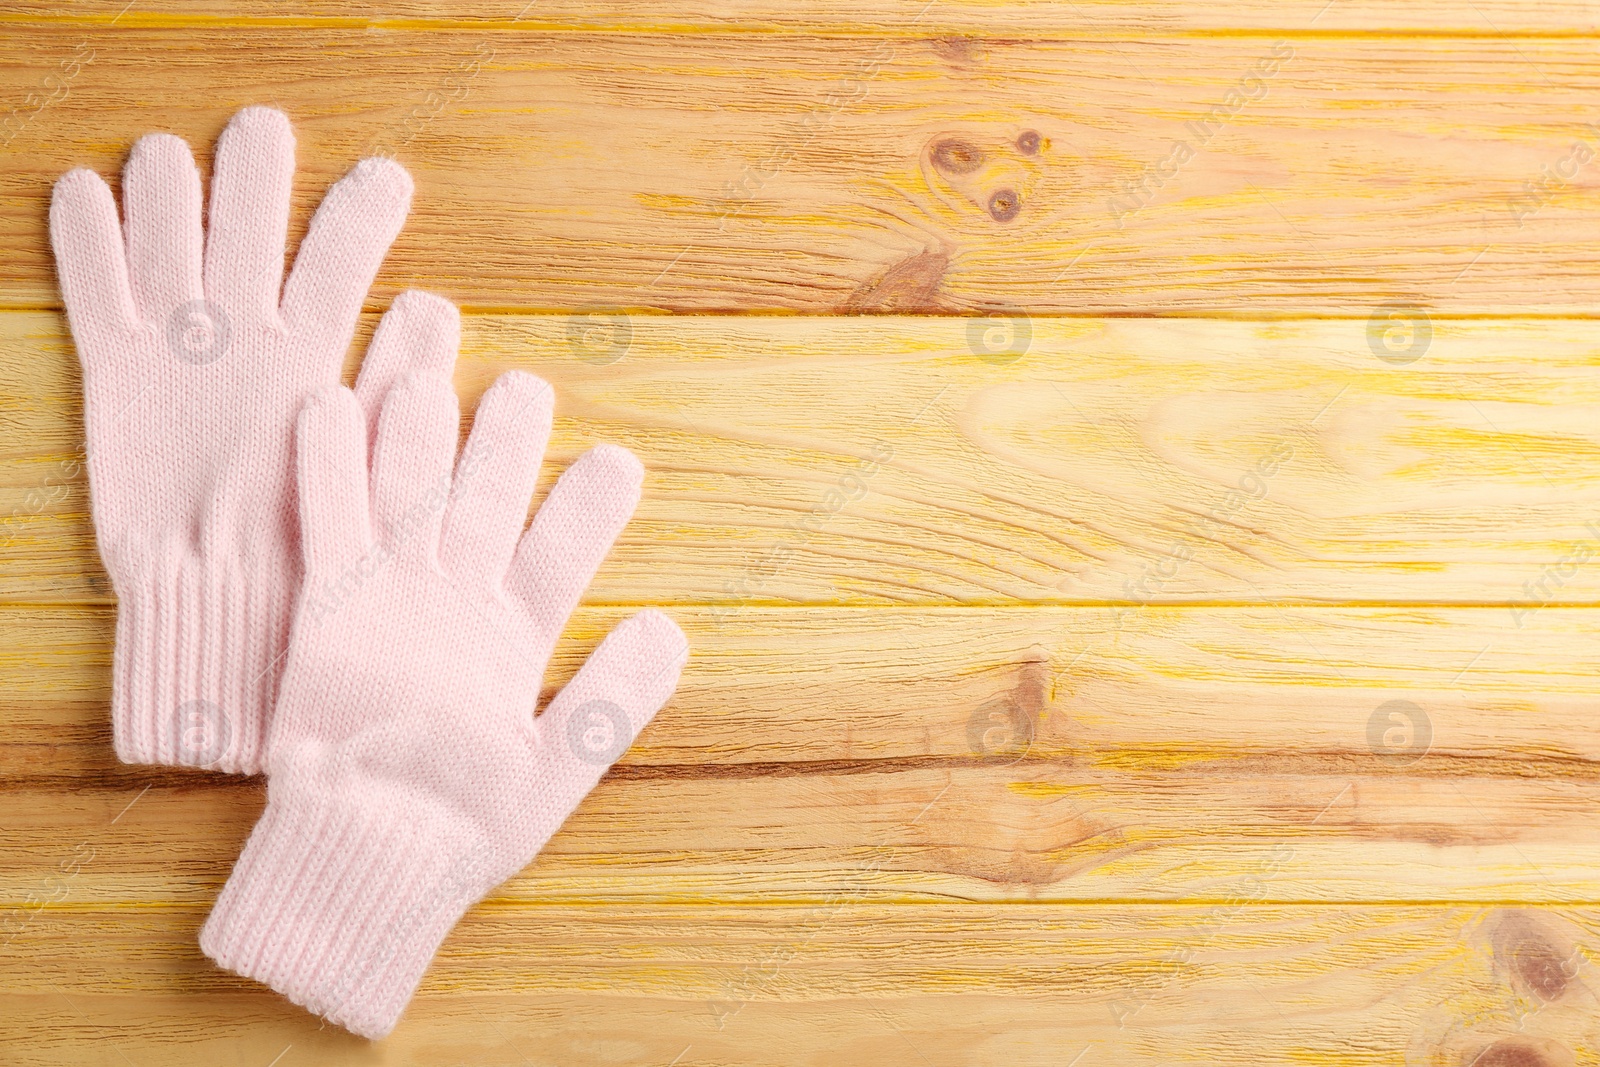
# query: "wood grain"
(874, 461)
(964, 20)
(856, 982)
(1014, 754)
(1176, 646)
(1324, 175)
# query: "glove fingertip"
(518, 403)
(382, 178)
(431, 326)
(422, 304)
(260, 125)
(159, 149)
(644, 656)
(656, 629)
(76, 177)
(91, 258)
(613, 464)
(76, 191)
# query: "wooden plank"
(1048, 833)
(729, 172)
(1021, 754)
(875, 461)
(846, 981)
(775, 691)
(969, 18)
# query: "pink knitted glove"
(407, 775)
(193, 374)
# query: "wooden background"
(1190, 650)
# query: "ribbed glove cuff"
(196, 665)
(340, 905)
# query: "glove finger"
(250, 188)
(352, 229)
(597, 716)
(412, 458)
(420, 332)
(495, 479)
(161, 196)
(90, 259)
(331, 473)
(558, 556)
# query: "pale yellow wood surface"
(818, 173)
(964, 19)
(1113, 460)
(916, 755)
(843, 980)
(1215, 689)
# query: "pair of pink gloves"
(313, 585)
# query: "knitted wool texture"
(194, 371)
(407, 774)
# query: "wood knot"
(957, 50)
(1531, 956)
(1509, 1053)
(951, 155)
(994, 175)
(912, 285)
(1004, 205)
(1009, 725)
(1032, 692)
